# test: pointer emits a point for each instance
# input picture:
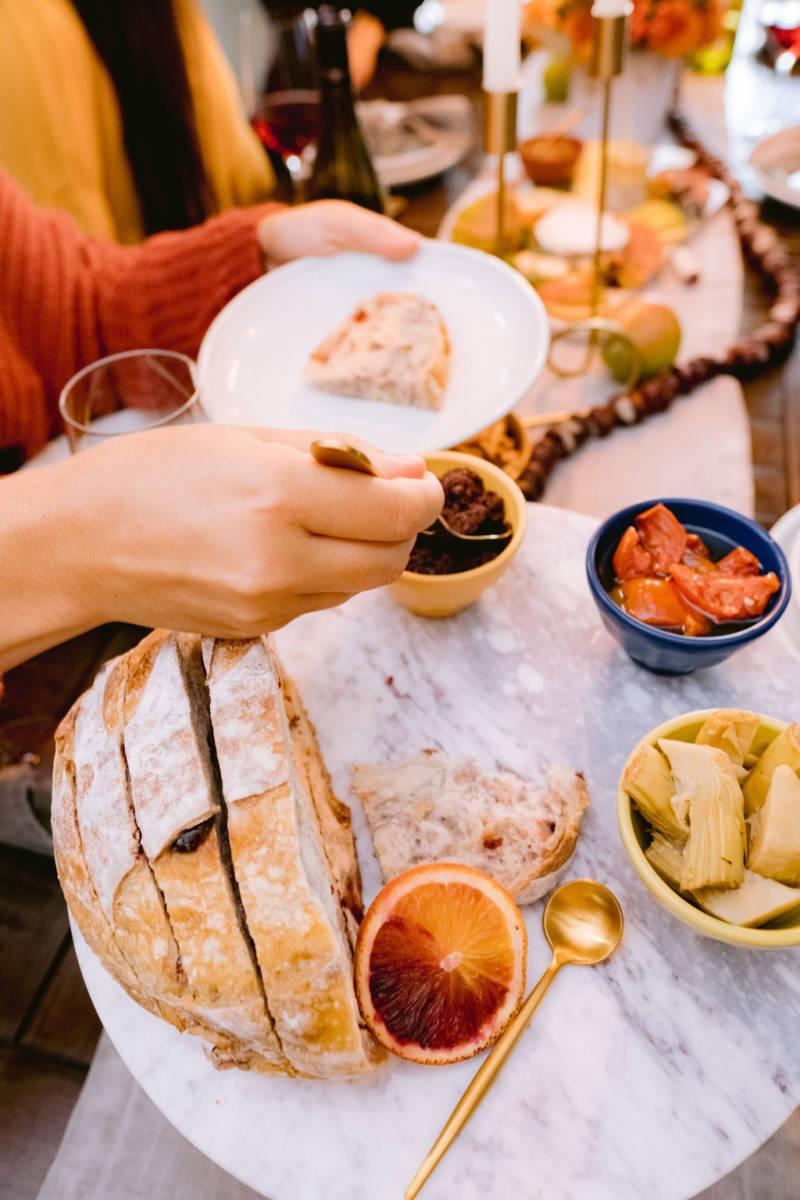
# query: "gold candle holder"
(501, 139)
(607, 62)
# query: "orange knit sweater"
(66, 300)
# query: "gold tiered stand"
(607, 63)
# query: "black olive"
(191, 839)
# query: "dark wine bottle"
(343, 169)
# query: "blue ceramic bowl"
(721, 529)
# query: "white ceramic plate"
(425, 160)
(250, 367)
(786, 532)
(776, 163)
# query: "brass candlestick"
(607, 62)
(501, 139)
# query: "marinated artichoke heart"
(754, 902)
(733, 731)
(666, 857)
(775, 830)
(708, 795)
(785, 749)
(648, 781)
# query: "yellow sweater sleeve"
(236, 163)
(61, 130)
(51, 97)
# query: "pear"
(655, 332)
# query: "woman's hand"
(234, 532)
(328, 226)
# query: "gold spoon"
(583, 924)
(334, 452)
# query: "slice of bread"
(431, 809)
(173, 789)
(393, 349)
(289, 890)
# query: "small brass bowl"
(444, 595)
(782, 933)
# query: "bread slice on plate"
(432, 809)
(393, 349)
(291, 895)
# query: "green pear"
(655, 333)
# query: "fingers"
(349, 227)
(347, 566)
(345, 504)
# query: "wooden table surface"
(48, 1028)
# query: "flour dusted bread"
(287, 885)
(432, 809)
(394, 349)
(188, 810)
(172, 788)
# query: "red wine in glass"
(781, 22)
(287, 123)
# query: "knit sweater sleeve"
(66, 299)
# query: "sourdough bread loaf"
(431, 809)
(393, 349)
(204, 857)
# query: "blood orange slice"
(440, 963)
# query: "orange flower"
(673, 28)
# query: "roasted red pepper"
(739, 562)
(658, 602)
(663, 536)
(725, 597)
(631, 559)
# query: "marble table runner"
(653, 1075)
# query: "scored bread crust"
(124, 882)
(431, 809)
(287, 886)
(393, 349)
(73, 872)
(334, 818)
(172, 790)
(186, 927)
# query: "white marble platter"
(651, 1076)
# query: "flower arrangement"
(671, 28)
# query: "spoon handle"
(481, 1081)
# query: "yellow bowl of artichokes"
(709, 813)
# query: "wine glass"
(287, 123)
(277, 48)
(127, 393)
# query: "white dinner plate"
(776, 164)
(452, 135)
(250, 367)
(786, 532)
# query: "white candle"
(611, 8)
(501, 46)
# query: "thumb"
(391, 466)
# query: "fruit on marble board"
(440, 963)
(655, 333)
